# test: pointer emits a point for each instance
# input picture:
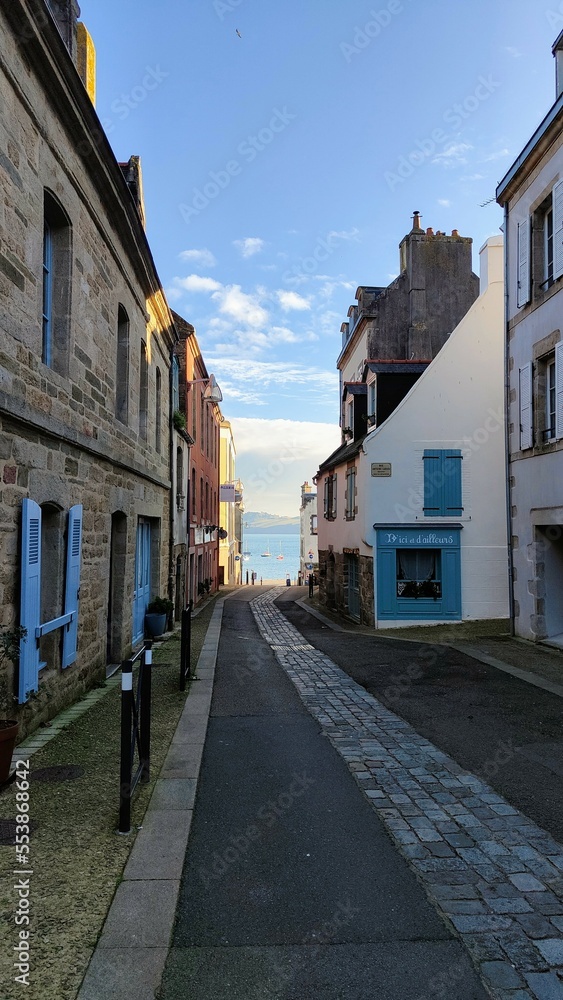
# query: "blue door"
(142, 594)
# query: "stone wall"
(60, 440)
(333, 583)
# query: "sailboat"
(267, 553)
(281, 553)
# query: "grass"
(76, 855)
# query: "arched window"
(122, 366)
(57, 264)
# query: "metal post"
(310, 584)
(125, 776)
(145, 713)
(186, 646)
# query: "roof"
(397, 367)
(551, 117)
(344, 452)
(355, 389)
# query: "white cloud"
(453, 155)
(496, 155)
(274, 457)
(515, 53)
(240, 306)
(197, 283)
(203, 257)
(292, 300)
(344, 234)
(445, 202)
(249, 246)
(263, 374)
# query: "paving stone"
(552, 950)
(501, 975)
(545, 986)
(527, 883)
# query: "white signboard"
(381, 469)
(227, 493)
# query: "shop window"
(418, 573)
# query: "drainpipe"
(171, 566)
(507, 427)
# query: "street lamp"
(212, 392)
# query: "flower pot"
(8, 735)
(155, 623)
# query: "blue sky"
(281, 169)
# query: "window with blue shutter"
(442, 483)
(30, 599)
(72, 584)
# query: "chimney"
(430, 231)
(65, 14)
(416, 221)
(455, 232)
(86, 60)
(558, 53)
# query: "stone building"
(85, 354)
(531, 194)
(388, 341)
(308, 534)
(199, 398)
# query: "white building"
(434, 481)
(308, 533)
(532, 196)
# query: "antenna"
(488, 202)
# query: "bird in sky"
(238, 32)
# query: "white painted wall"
(458, 402)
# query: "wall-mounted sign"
(381, 468)
(436, 539)
(227, 493)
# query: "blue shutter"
(433, 477)
(386, 583)
(451, 463)
(72, 584)
(30, 598)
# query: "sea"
(270, 567)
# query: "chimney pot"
(416, 220)
(455, 232)
(430, 231)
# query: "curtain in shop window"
(416, 564)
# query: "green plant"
(160, 606)
(10, 638)
(179, 420)
(201, 589)
(207, 585)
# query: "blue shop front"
(418, 572)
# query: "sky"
(284, 148)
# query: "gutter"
(507, 429)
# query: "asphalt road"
(292, 889)
(504, 730)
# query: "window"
(180, 495)
(547, 243)
(371, 403)
(194, 499)
(330, 497)
(175, 384)
(548, 248)
(122, 366)
(143, 392)
(158, 412)
(313, 530)
(525, 375)
(523, 253)
(418, 573)
(56, 298)
(550, 400)
(201, 501)
(442, 483)
(351, 508)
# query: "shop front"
(418, 573)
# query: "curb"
(129, 958)
(475, 654)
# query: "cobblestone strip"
(491, 872)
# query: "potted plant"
(156, 615)
(10, 639)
